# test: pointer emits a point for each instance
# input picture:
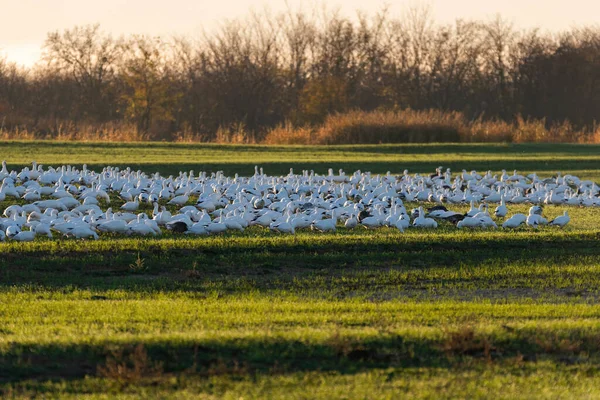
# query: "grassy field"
(356, 314)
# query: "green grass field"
(356, 314)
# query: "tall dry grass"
(358, 127)
(74, 131)
(355, 127)
(410, 126)
(288, 134)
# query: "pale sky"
(25, 23)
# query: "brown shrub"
(552, 344)
(408, 126)
(129, 365)
(234, 134)
(287, 134)
(465, 342)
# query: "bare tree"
(89, 57)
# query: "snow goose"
(234, 223)
(487, 221)
(216, 227)
(4, 172)
(515, 221)
(283, 227)
(422, 222)
(561, 220)
(473, 210)
(90, 200)
(301, 221)
(140, 227)
(24, 236)
(161, 217)
(533, 220)
(81, 232)
(131, 205)
(535, 210)
(483, 212)
(437, 211)
(400, 224)
(469, 222)
(113, 226)
(518, 198)
(351, 222)
(197, 229)
(32, 195)
(42, 229)
(179, 200)
(326, 225)
(501, 210)
(371, 222)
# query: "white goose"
(422, 222)
(325, 225)
(24, 236)
(561, 221)
(501, 210)
(515, 221)
(469, 222)
(351, 222)
(131, 205)
(81, 232)
(180, 200)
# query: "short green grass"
(355, 314)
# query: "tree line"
(297, 68)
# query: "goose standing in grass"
(351, 222)
(283, 227)
(561, 220)
(325, 225)
(42, 229)
(400, 225)
(501, 210)
(371, 222)
(161, 217)
(473, 210)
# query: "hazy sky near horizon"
(25, 23)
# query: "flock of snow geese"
(67, 201)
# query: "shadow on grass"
(238, 264)
(249, 356)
